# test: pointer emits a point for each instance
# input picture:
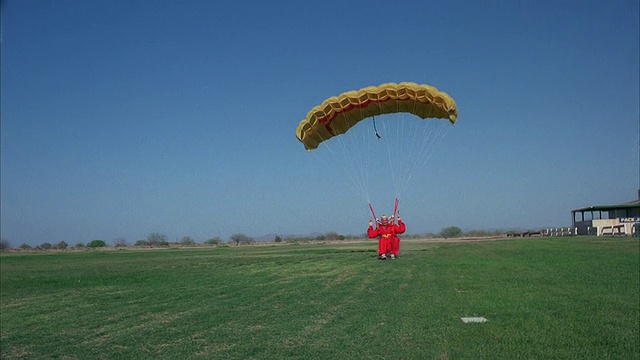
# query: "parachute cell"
(337, 114)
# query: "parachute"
(337, 114)
(347, 143)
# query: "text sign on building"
(629, 220)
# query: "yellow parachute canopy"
(338, 114)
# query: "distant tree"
(142, 243)
(187, 241)
(332, 235)
(4, 245)
(24, 247)
(45, 246)
(214, 241)
(157, 239)
(79, 245)
(61, 245)
(120, 242)
(451, 232)
(278, 239)
(96, 243)
(241, 239)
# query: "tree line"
(157, 239)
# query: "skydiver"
(388, 242)
(394, 243)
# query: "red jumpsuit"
(389, 241)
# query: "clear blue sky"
(123, 118)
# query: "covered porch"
(621, 219)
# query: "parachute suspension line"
(409, 135)
(394, 147)
(430, 140)
(412, 149)
(333, 157)
(363, 163)
(418, 136)
(410, 144)
(351, 158)
(392, 155)
(347, 152)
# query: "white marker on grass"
(467, 320)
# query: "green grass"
(560, 298)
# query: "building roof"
(628, 205)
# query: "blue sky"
(123, 118)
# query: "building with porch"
(621, 219)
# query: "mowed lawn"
(543, 298)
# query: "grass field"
(544, 298)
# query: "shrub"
(451, 232)
(214, 241)
(96, 243)
(61, 245)
(157, 239)
(187, 241)
(241, 239)
(332, 235)
(24, 247)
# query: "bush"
(214, 241)
(96, 243)
(4, 245)
(451, 232)
(332, 235)
(187, 241)
(157, 239)
(61, 245)
(45, 246)
(24, 247)
(241, 239)
(120, 242)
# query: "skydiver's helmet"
(384, 220)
